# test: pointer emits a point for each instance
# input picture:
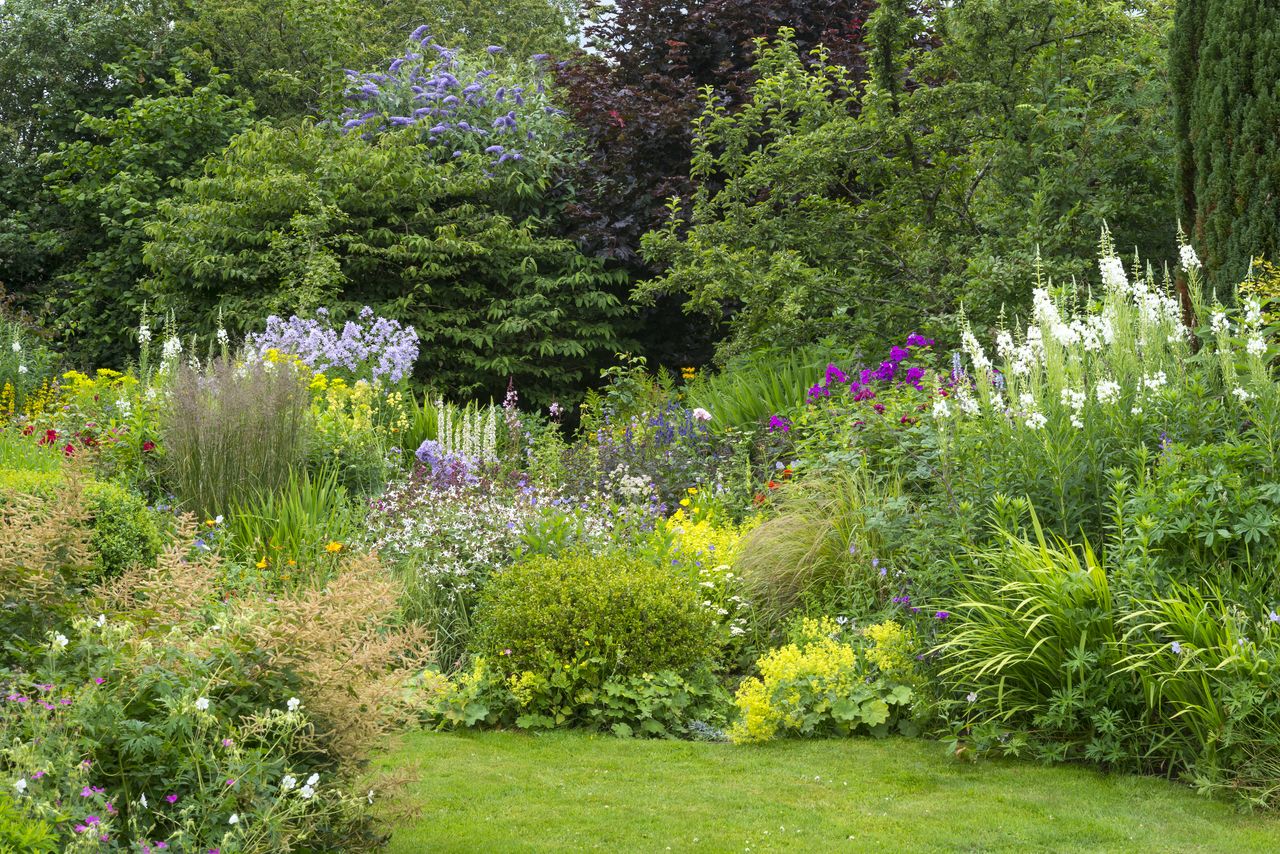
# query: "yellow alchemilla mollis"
(765, 706)
(892, 652)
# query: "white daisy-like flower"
(60, 641)
(203, 704)
(235, 818)
(288, 782)
(20, 784)
(293, 704)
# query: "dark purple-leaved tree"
(635, 94)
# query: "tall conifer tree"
(1225, 70)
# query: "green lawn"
(571, 792)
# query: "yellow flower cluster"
(891, 652)
(818, 658)
(696, 533)
(817, 665)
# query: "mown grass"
(573, 792)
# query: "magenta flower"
(171, 798)
(98, 680)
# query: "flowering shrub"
(370, 348)
(495, 107)
(446, 532)
(828, 682)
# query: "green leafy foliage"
(108, 185)
(636, 616)
(125, 531)
(1034, 646)
(821, 211)
(294, 219)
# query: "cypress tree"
(1225, 75)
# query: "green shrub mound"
(638, 616)
(124, 531)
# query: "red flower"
(148, 446)
(759, 499)
(773, 484)
(28, 430)
(69, 450)
(50, 436)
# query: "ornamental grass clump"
(818, 553)
(234, 431)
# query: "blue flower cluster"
(375, 348)
(431, 89)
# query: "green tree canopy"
(1021, 128)
(292, 219)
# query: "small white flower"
(941, 409)
(235, 818)
(142, 799)
(1256, 346)
(369, 797)
(1036, 420)
(288, 782)
(1108, 391)
(172, 349)
(102, 620)
(22, 369)
(1136, 410)
(60, 641)
(217, 520)
(144, 334)
(20, 784)
(701, 414)
(293, 704)
(306, 792)
(1218, 323)
(203, 704)
(313, 779)
(17, 348)
(1113, 275)
(1243, 395)
(1187, 256)
(972, 696)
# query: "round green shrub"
(637, 616)
(125, 532)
